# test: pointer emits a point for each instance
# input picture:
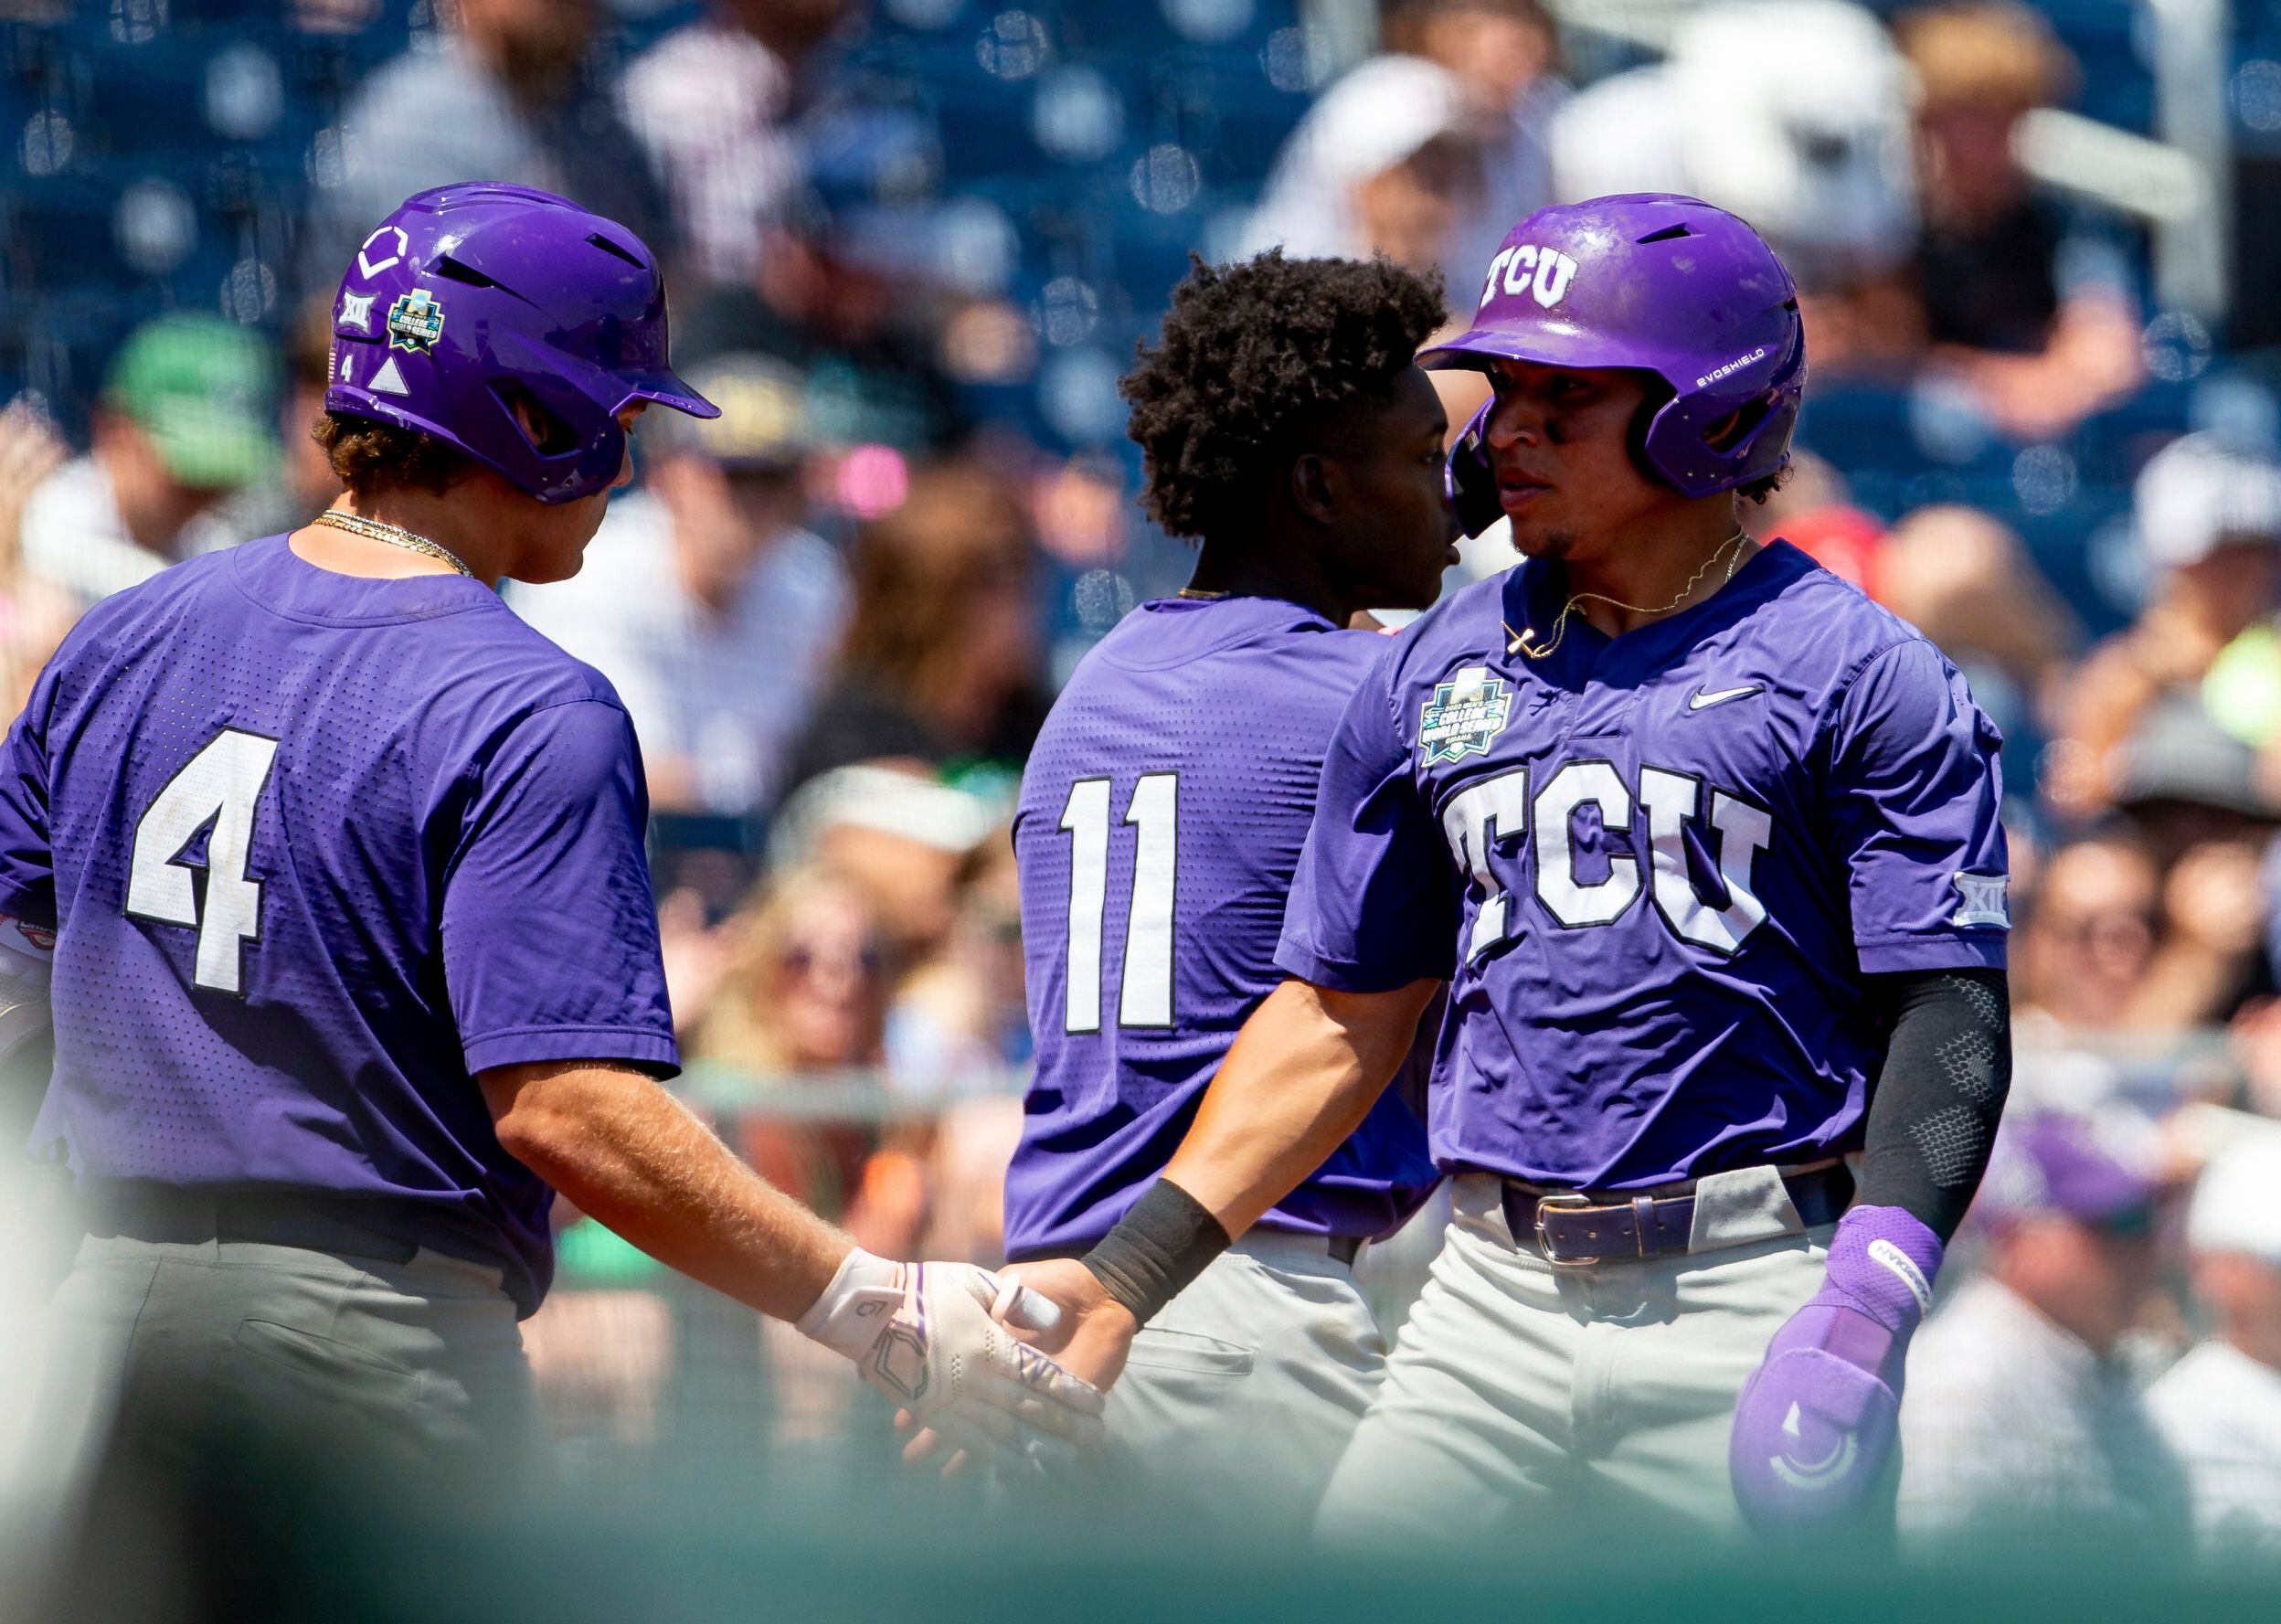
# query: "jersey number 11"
(1146, 997)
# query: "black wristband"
(1156, 1249)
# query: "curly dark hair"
(368, 455)
(1256, 358)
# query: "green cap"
(199, 386)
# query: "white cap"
(886, 800)
(2237, 1205)
(2200, 489)
(1795, 115)
(1378, 115)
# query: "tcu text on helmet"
(1497, 814)
(1525, 268)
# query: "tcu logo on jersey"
(1524, 267)
(1499, 814)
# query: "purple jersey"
(317, 848)
(1161, 817)
(1656, 869)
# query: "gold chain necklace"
(356, 524)
(1524, 641)
(1194, 594)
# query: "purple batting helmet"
(470, 298)
(1663, 283)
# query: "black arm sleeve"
(1934, 1109)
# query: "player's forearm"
(629, 1154)
(1302, 1074)
(1932, 1117)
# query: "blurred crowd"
(838, 612)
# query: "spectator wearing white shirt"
(710, 104)
(184, 420)
(2019, 1416)
(2220, 1406)
(704, 600)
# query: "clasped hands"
(1060, 1308)
(944, 1341)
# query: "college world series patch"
(1464, 714)
(415, 322)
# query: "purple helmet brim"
(664, 388)
(1546, 345)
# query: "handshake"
(945, 1342)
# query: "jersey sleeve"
(27, 863)
(1915, 798)
(550, 939)
(1373, 906)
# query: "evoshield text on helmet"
(474, 297)
(1656, 282)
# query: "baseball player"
(355, 961)
(1286, 428)
(1705, 846)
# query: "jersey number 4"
(1146, 997)
(218, 786)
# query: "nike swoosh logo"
(1702, 701)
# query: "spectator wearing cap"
(2220, 1406)
(184, 420)
(1793, 114)
(1395, 160)
(302, 483)
(704, 599)
(1504, 54)
(711, 102)
(2039, 354)
(1387, 162)
(505, 96)
(900, 833)
(2199, 802)
(2207, 514)
(2019, 1414)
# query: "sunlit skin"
(498, 531)
(1559, 441)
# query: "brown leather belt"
(1577, 1227)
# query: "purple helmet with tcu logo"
(473, 298)
(1662, 283)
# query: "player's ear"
(1312, 486)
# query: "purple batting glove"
(1814, 1427)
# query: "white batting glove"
(924, 1334)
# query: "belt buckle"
(1567, 1200)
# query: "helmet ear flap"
(1658, 400)
(1472, 482)
(538, 423)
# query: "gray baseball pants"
(1240, 1395)
(392, 1364)
(1525, 1399)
